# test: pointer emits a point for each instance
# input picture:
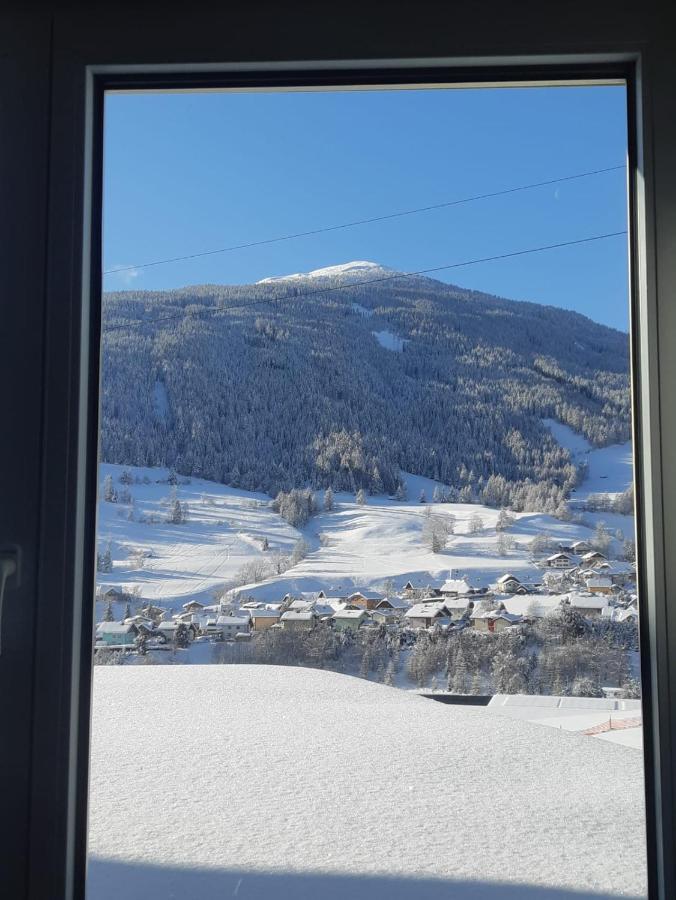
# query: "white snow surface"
(225, 529)
(575, 714)
(389, 340)
(277, 783)
(361, 547)
(355, 270)
(610, 469)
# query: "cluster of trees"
(178, 512)
(617, 503)
(436, 531)
(563, 654)
(104, 561)
(296, 506)
(368, 652)
(306, 396)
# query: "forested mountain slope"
(323, 379)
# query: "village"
(576, 577)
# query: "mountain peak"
(355, 270)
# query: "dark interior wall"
(43, 53)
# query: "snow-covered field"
(225, 529)
(351, 546)
(277, 783)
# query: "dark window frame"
(60, 709)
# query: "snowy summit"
(355, 270)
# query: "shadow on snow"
(110, 880)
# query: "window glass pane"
(367, 621)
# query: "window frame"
(60, 709)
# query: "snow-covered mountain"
(350, 271)
(346, 376)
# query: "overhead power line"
(353, 284)
(369, 221)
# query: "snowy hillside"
(609, 470)
(350, 547)
(293, 784)
(345, 375)
(225, 529)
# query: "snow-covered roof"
(296, 615)
(456, 586)
(456, 603)
(265, 613)
(349, 614)
(586, 601)
(233, 621)
(593, 554)
(301, 604)
(558, 556)
(115, 627)
(336, 603)
(322, 608)
(497, 614)
(531, 604)
(607, 569)
(193, 603)
(394, 602)
(367, 595)
(425, 611)
(503, 579)
(601, 581)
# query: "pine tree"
(182, 635)
(328, 499)
(423, 498)
(106, 561)
(361, 497)
(109, 617)
(475, 524)
(457, 679)
(109, 494)
(504, 521)
(176, 516)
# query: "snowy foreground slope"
(278, 783)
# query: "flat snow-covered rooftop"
(274, 783)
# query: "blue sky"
(197, 171)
